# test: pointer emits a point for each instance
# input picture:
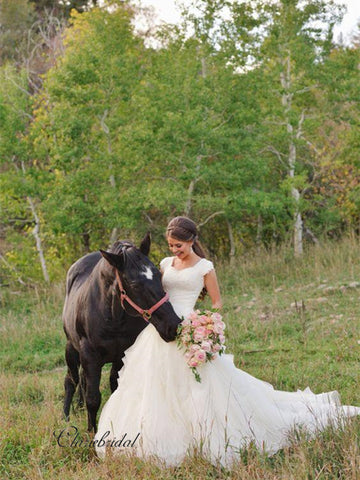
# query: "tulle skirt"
(160, 410)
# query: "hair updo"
(185, 230)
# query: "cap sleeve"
(165, 262)
(205, 266)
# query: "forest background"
(244, 116)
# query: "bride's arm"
(212, 287)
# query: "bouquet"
(201, 334)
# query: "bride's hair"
(185, 230)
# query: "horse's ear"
(145, 244)
(114, 260)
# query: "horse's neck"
(101, 282)
(111, 295)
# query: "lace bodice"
(184, 286)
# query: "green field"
(293, 323)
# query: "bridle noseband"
(146, 314)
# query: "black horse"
(98, 327)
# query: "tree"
(82, 111)
(60, 8)
(192, 138)
(233, 125)
(287, 53)
(18, 197)
(16, 18)
(336, 186)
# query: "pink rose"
(194, 348)
(196, 323)
(216, 317)
(187, 355)
(200, 356)
(193, 362)
(219, 327)
(222, 338)
(206, 346)
(204, 319)
(200, 333)
(216, 348)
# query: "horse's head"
(141, 282)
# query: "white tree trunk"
(114, 236)
(36, 231)
(298, 223)
(298, 227)
(286, 100)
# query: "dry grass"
(292, 323)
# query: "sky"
(166, 11)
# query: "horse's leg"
(93, 395)
(82, 388)
(92, 371)
(72, 376)
(116, 366)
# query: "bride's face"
(179, 248)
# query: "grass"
(290, 322)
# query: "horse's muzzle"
(170, 333)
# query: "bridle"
(146, 314)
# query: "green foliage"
(20, 179)
(109, 115)
(14, 110)
(122, 136)
(15, 105)
(81, 112)
(293, 55)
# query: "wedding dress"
(160, 410)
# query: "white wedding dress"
(160, 410)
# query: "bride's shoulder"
(205, 266)
(165, 262)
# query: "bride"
(159, 409)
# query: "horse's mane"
(129, 251)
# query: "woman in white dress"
(159, 409)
